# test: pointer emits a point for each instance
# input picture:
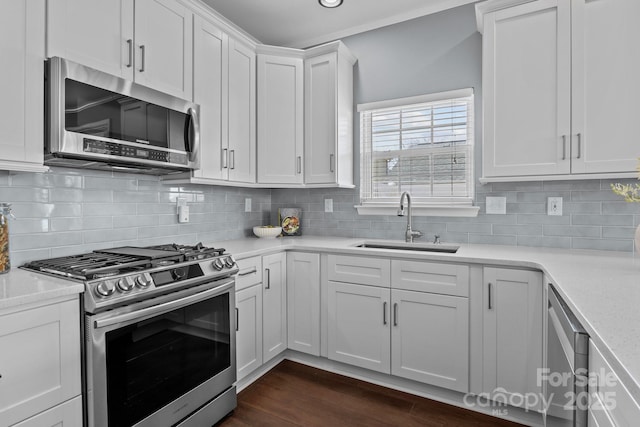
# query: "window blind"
(424, 148)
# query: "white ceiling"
(304, 23)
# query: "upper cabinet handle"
(579, 144)
(395, 314)
(142, 55)
(299, 164)
(564, 147)
(130, 47)
(225, 159)
(331, 162)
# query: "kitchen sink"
(421, 247)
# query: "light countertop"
(18, 287)
(601, 288)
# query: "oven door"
(155, 362)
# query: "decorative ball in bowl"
(267, 231)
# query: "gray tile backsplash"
(68, 211)
(593, 217)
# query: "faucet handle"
(416, 233)
(436, 239)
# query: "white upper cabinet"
(148, 41)
(328, 120)
(22, 85)
(239, 118)
(281, 114)
(605, 85)
(559, 84)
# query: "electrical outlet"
(496, 205)
(328, 205)
(554, 206)
(247, 205)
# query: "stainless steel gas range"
(159, 333)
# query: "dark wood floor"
(292, 394)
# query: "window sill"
(435, 210)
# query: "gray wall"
(443, 52)
(67, 211)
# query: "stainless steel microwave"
(99, 121)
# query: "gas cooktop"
(120, 276)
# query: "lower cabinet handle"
(490, 305)
(268, 278)
(246, 273)
(384, 313)
(395, 314)
(579, 144)
(237, 319)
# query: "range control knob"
(124, 284)
(105, 289)
(143, 282)
(217, 264)
(229, 262)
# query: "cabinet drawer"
(68, 414)
(360, 270)
(610, 394)
(446, 279)
(39, 359)
(250, 272)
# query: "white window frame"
(432, 206)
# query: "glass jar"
(5, 261)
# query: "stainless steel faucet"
(410, 234)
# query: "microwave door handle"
(193, 134)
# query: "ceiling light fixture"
(330, 3)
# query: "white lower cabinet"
(303, 302)
(274, 305)
(430, 338)
(420, 336)
(39, 362)
(359, 326)
(512, 333)
(248, 330)
(68, 414)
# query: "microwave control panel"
(121, 150)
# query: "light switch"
(496, 205)
(328, 205)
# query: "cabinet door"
(512, 335)
(239, 124)
(274, 304)
(280, 124)
(303, 302)
(210, 50)
(248, 330)
(40, 359)
(359, 326)
(68, 414)
(321, 87)
(430, 339)
(606, 88)
(22, 86)
(164, 46)
(95, 33)
(526, 90)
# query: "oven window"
(155, 361)
(98, 112)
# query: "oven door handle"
(164, 307)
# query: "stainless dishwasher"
(567, 371)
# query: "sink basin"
(421, 247)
